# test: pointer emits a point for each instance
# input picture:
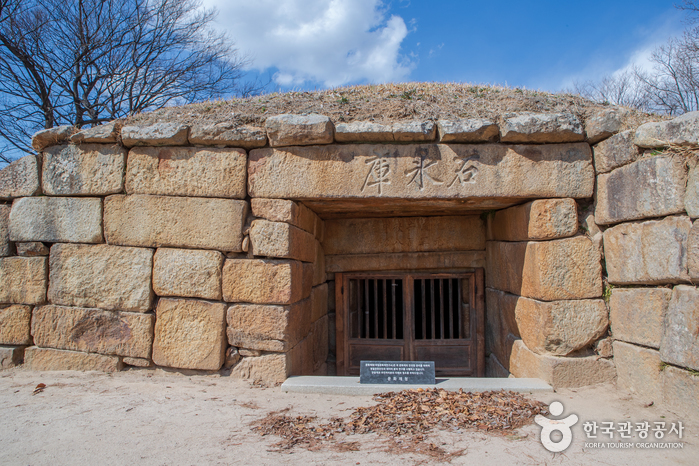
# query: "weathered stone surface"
(638, 370)
(472, 130)
(282, 210)
(536, 220)
(137, 362)
(319, 302)
(155, 221)
(187, 273)
(319, 229)
(652, 252)
(228, 134)
(232, 357)
(318, 265)
(681, 390)
(15, 323)
(190, 334)
(11, 356)
(301, 357)
(331, 297)
(281, 240)
(102, 134)
(693, 251)
(308, 277)
(23, 280)
(89, 169)
(414, 131)
(679, 344)
(102, 276)
(559, 371)
(691, 195)
(20, 178)
(404, 234)
(93, 330)
(615, 152)
(493, 368)
(589, 226)
(5, 245)
(602, 125)
(159, 134)
(46, 359)
(263, 281)
(51, 137)
(320, 342)
(541, 128)
(268, 327)
(603, 347)
(268, 369)
(429, 171)
(560, 327)
(683, 131)
(295, 130)
(32, 249)
(500, 324)
(551, 270)
(400, 131)
(407, 261)
(57, 219)
(652, 187)
(187, 171)
(247, 353)
(363, 131)
(637, 314)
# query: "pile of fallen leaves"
(412, 413)
(419, 411)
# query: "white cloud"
(614, 62)
(334, 42)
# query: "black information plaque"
(397, 372)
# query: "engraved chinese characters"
(418, 174)
(379, 171)
(422, 171)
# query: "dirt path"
(153, 417)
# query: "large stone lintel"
(427, 171)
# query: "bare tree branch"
(85, 62)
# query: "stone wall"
(215, 246)
(646, 201)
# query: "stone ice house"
(535, 245)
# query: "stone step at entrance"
(351, 385)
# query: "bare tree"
(86, 62)
(671, 86)
(618, 89)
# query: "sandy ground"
(153, 417)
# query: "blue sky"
(307, 44)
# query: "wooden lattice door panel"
(411, 317)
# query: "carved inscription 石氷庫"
(466, 171)
(418, 174)
(379, 171)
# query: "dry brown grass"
(385, 103)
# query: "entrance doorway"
(411, 317)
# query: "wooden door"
(411, 317)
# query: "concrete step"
(351, 385)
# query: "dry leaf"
(39, 388)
